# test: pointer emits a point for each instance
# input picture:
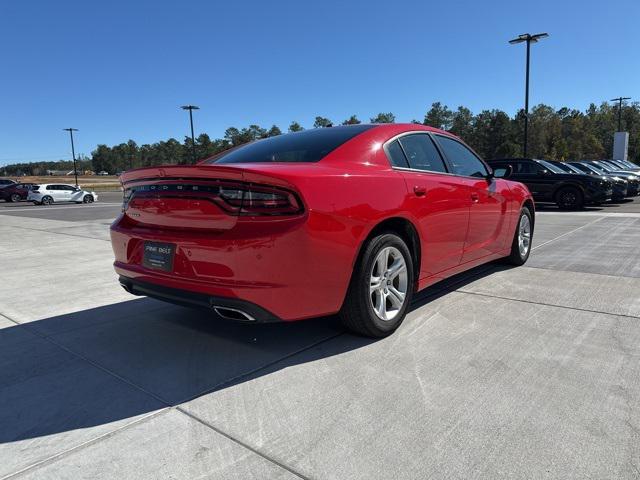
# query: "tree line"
(564, 134)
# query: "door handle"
(475, 197)
(419, 191)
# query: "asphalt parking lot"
(530, 372)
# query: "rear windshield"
(307, 146)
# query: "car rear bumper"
(291, 271)
(229, 308)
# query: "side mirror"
(503, 172)
(543, 173)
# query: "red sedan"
(350, 220)
(15, 192)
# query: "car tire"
(377, 311)
(15, 197)
(87, 199)
(46, 200)
(569, 198)
(521, 244)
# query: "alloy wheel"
(524, 235)
(568, 199)
(388, 283)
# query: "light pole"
(620, 100)
(527, 37)
(73, 152)
(191, 108)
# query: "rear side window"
(463, 160)
(525, 168)
(422, 153)
(306, 146)
(396, 155)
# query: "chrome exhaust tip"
(233, 314)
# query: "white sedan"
(49, 193)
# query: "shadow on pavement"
(115, 362)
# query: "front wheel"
(16, 197)
(381, 288)
(521, 244)
(87, 199)
(569, 198)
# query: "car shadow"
(110, 364)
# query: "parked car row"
(45, 194)
(571, 185)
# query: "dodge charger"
(347, 220)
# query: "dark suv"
(15, 192)
(548, 183)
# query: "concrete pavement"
(530, 372)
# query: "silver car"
(48, 193)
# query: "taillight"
(258, 200)
(234, 198)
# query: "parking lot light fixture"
(620, 100)
(73, 152)
(529, 38)
(191, 108)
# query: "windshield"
(564, 167)
(617, 164)
(594, 169)
(550, 166)
(573, 168)
(604, 166)
(307, 146)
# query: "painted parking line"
(592, 214)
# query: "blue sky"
(120, 69)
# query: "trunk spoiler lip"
(206, 173)
(164, 171)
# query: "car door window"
(525, 168)
(463, 161)
(421, 153)
(396, 155)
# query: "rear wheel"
(87, 199)
(47, 200)
(15, 197)
(569, 198)
(381, 288)
(521, 244)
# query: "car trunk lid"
(203, 197)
